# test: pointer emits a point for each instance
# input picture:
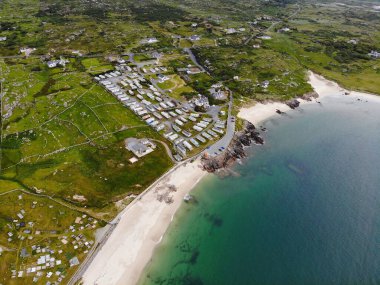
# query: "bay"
(302, 209)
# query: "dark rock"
(294, 103)
(310, 96)
(235, 150)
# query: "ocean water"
(302, 209)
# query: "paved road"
(194, 59)
(225, 141)
(91, 255)
(167, 148)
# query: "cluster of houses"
(200, 101)
(58, 62)
(136, 92)
(188, 141)
(154, 70)
(46, 264)
(218, 92)
(49, 262)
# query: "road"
(91, 255)
(194, 59)
(274, 24)
(167, 148)
(225, 141)
(102, 239)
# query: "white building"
(374, 54)
(139, 147)
(201, 101)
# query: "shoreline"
(142, 226)
(260, 112)
(128, 250)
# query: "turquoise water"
(303, 209)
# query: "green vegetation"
(62, 135)
(24, 228)
(177, 87)
(94, 66)
(66, 132)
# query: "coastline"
(129, 248)
(260, 112)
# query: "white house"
(195, 38)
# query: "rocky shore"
(249, 135)
(235, 150)
(294, 103)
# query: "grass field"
(65, 137)
(177, 87)
(95, 66)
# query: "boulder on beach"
(294, 103)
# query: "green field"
(177, 87)
(66, 136)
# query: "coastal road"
(103, 238)
(91, 255)
(225, 141)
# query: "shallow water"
(304, 208)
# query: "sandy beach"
(130, 247)
(261, 112)
(142, 225)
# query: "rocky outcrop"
(235, 150)
(310, 96)
(294, 103)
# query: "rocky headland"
(236, 150)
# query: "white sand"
(260, 112)
(326, 87)
(142, 225)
